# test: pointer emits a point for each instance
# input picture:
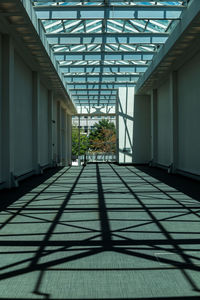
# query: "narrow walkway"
(101, 232)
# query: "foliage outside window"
(102, 139)
(84, 144)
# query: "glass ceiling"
(104, 44)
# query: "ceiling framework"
(104, 44)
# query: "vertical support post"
(174, 121)
(54, 132)
(66, 139)
(64, 136)
(36, 125)
(154, 124)
(50, 126)
(79, 139)
(59, 146)
(8, 110)
(1, 112)
(117, 126)
(69, 139)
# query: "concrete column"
(117, 127)
(1, 141)
(174, 121)
(142, 129)
(154, 125)
(50, 127)
(79, 138)
(8, 111)
(66, 140)
(69, 139)
(59, 138)
(36, 107)
(63, 136)
(54, 132)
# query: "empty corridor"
(102, 232)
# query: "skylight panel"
(113, 28)
(127, 37)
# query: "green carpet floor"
(101, 232)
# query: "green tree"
(75, 142)
(103, 137)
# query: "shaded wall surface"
(23, 133)
(164, 124)
(29, 123)
(189, 116)
(176, 119)
(43, 123)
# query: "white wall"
(27, 112)
(164, 124)
(134, 126)
(22, 117)
(43, 126)
(125, 110)
(189, 116)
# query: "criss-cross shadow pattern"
(101, 231)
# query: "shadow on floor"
(8, 196)
(101, 232)
(185, 185)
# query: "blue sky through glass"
(102, 45)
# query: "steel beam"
(109, 52)
(101, 1)
(104, 69)
(108, 38)
(94, 100)
(101, 85)
(94, 97)
(78, 56)
(79, 91)
(79, 77)
(94, 92)
(118, 12)
(86, 78)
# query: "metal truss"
(95, 92)
(95, 97)
(107, 56)
(91, 79)
(126, 2)
(102, 45)
(112, 85)
(140, 12)
(104, 69)
(110, 38)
